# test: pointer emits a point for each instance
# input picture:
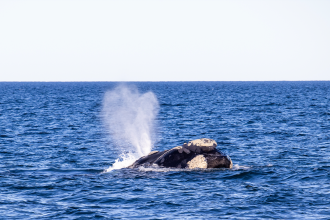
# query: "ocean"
(64, 147)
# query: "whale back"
(176, 157)
(147, 160)
(200, 153)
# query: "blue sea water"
(55, 147)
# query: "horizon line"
(185, 81)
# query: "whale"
(200, 153)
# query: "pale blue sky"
(164, 40)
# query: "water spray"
(130, 118)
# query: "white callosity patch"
(203, 144)
(182, 149)
(197, 162)
(130, 117)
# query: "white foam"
(123, 161)
(238, 167)
(156, 168)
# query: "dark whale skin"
(176, 158)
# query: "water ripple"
(54, 148)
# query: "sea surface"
(56, 151)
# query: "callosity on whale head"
(200, 153)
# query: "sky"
(164, 40)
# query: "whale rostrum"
(200, 153)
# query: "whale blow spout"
(200, 153)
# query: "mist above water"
(130, 118)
